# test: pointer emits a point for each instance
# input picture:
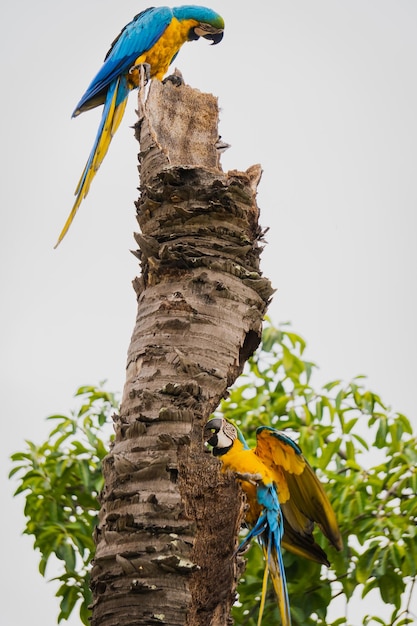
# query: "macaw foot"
(220, 145)
(143, 70)
(242, 548)
(254, 479)
(175, 79)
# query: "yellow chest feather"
(243, 461)
(160, 55)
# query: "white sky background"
(321, 92)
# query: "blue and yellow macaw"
(285, 500)
(151, 40)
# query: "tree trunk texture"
(167, 533)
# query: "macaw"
(152, 41)
(285, 499)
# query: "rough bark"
(169, 520)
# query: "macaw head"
(210, 24)
(220, 434)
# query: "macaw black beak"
(207, 32)
(211, 429)
(214, 37)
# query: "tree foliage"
(61, 479)
(365, 453)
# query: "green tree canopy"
(365, 453)
(61, 479)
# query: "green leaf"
(391, 586)
(85, 613)
(70, 596)
(334, 383)
(381, 435)
(365, 564)
(373, 618)
(66, 553)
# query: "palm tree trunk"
(169, 520)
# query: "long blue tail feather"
(269, 530)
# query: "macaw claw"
(144, 70)
(254, 479)
(176, 79)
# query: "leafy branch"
(365, 453)
(61, 480)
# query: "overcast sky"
(322, 93)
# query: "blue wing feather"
(136, 38)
